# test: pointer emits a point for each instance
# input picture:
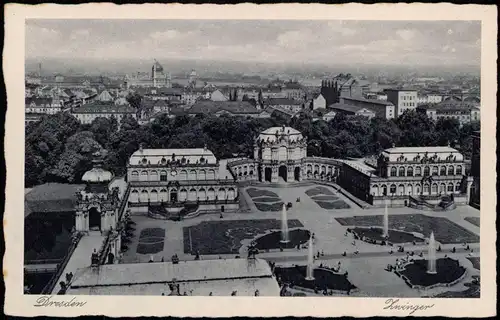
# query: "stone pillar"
(78, 221)
(274, 175)
(290, 173)
(469, 184)
(86, 226)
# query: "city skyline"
(425, 43)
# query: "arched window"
(458, 187)
(459, 170)
(418, 171)
(134, 196)
(451, 170)
(375, 190)
(154, 175)
(163, 175)
(450, 187)
(427, 171)
(442, 172)
(384, 190)
(144, 196)
(202, 194)
(442, 188)
(183, 175)
(393, 189)
(434, 188)
(401, 171)
(401, 190)
(394, 171)
(417, 189)
(144, 175)
(409, 172)
(435, 170)
(154, 196)
(135, 176)
(426, 188)
(192, 175)
(192, 195)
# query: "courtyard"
(213, 236)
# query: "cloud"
(165, 35)
(406, 34)
(349, 42)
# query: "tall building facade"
(173, 178)
(403, 99)
(475, 197)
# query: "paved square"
(224, 237)
(445, 231)
(221, 238)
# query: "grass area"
(326, 199)
(473, 220)
(151, 241)
(269, 207)
(445, 231)
(319, 190)
(323, 278)
(254, 193)
(323, 198)
(327, 205)
(475, 262)
(272, 240)
(395, 236)
(224, 237)
(266, 199)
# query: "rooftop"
(372, 101)
(282, 101)
(438, 149)
(235, 107)
(154, 156)
(52, 197)
(346, 107)
(104, 108)
(161, 272)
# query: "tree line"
(59, 148)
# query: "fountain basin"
(323, 278)
(375, 235)
(273, 239)
(448, 273)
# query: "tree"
(76, 158)
(102, 128)
(416, 129)
(447, 131)
(135, 100)
(128, 123)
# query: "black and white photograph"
(253, 158)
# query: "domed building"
(280, 151)
(280, 154)
(97, 204)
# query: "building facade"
(88, 113)
(43, 105)
(289, 104)
(383, 109)
(462, 111)
(402, 99)
(404, 175)
(176, 177)
(280, 155)
(352, 110)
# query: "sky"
(340, 42)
